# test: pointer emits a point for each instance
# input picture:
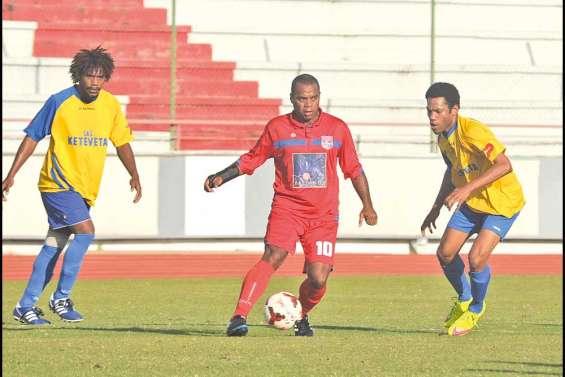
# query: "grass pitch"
(365, 326)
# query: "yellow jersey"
(469, 149)
(79, 138)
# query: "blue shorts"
(469, 221)
(65, 208)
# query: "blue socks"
(40, 276)
(455, 273)
(72, 263)
(479, 285)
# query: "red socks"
(310, 296)
(253, 287)
(256, 281)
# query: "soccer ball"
(282, 310)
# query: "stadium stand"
(139, 40)
(371, 57)
(373, 60)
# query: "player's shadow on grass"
(550, 365)
(521, 372)
(133, 329)
(206, 331)
(367, 329)
(376, 329)
(514, 372)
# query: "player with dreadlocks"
(80, 121)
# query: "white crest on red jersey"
(327, 142)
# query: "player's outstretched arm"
(368, 213)
(26, 148)
(447, 187)
(221, 177)
(125, 153)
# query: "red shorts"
(316, 236)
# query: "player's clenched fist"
(221, 177)
(212, 182)
(369, 215)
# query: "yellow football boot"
(459, 307)
(466, 323)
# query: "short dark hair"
(303, 79)
(86, 60)
(445, 90)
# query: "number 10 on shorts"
(324, 248)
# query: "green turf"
(366, 326)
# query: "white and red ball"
(282, 310)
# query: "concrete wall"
(175, 205)
(550, 185)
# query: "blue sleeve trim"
(40, 126)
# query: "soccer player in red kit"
(306, 145)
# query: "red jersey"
(306, 181)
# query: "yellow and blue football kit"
(469, 149)
(79, 139)
(69, 181)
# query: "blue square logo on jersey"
(309, 170)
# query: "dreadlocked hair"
(87, 60)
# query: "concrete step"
(395, 32)
(131, 45)
(23, 107)
(365, 110)
(381, 48)
(218, 136)
(208, 71)
(189, 144)
(352, 17)
(32, 75)
(161, 86)
(217, 112)
(381, 81)
(205, 101)
(9, 5)
(79, 15)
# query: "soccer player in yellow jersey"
(80, 121)
(480, 184)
